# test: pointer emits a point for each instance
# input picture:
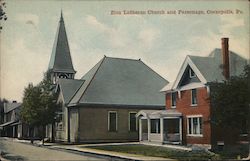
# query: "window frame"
(196, 103)
(116, 123)
(199, 124)
(191, 73)
(129, 127)
(173, 106)
(157, 126)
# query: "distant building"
(101, 106)
(12, 126)
(187, 118)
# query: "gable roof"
(116, 81)
(209, 69)
(69, 87)
(11, 106)
(60, 60)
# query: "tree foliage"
(231, 101)
(39, 104)
(2, 13)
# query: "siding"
(93, 125)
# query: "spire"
(60, 60)
(61, 19)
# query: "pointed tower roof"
(60, 60)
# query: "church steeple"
(60, 64)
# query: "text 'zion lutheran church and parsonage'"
(120, 100)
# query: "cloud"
(91, 20)
(116, 37)
(148, 36)
(28, 18)
(229, 23)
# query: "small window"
(191, 73)
(193, 97)
(112, 121)
(173, 99)
(195, 125)
(132, 121)
(155, 126)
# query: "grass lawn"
(157, 151)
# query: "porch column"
(140, 129)
(13, 131)
(180, 129)
(161, 129)
(149, 127)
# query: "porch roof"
(7, 123)
(159, 113)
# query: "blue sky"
(161, 41)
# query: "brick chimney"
(225, 57)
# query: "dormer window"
(191, 73)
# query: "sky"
(162, 41)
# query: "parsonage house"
(102, 105)
(188, 113)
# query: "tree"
(231, 103)
(39, 105)
(2, 13)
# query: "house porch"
(160, 126)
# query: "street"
(24, 151)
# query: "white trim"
(136, 128)
(191, 71)
(189, 62)
(198, 122)
(116, 121)
(192, 116)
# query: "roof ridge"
(90, 80)
(123, 58)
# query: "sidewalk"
(102, 153)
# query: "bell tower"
(60, 65)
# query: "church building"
(102, 105)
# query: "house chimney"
(225, 57)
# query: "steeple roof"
(60, 60)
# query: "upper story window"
(194, 97)
(132, 121)
(112, 121)
(191, 73)
(173, 100)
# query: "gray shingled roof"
(60, 60)
(69, 87)
(11, 106)
(211, 66)
(116, 81)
